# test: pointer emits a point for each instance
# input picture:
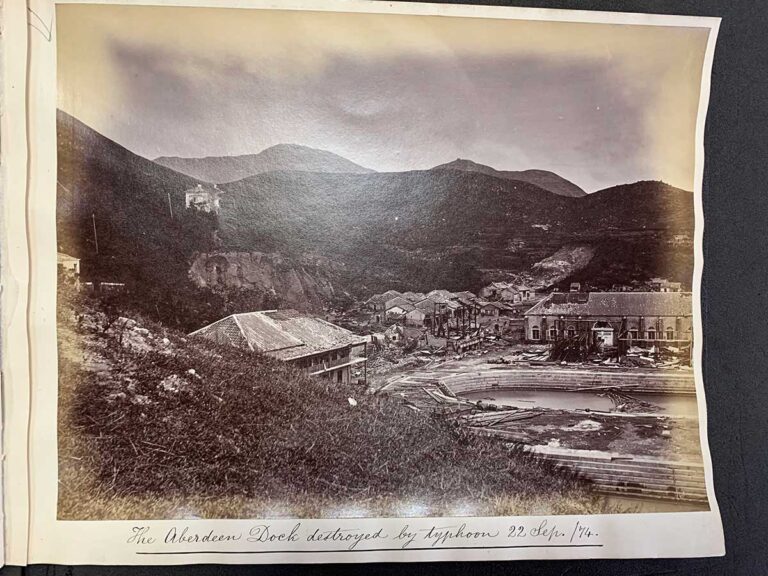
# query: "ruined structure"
(507, 292)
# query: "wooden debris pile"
(623, 402)
(491, 419)
(656, 357)
(474, 413)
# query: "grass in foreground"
(140, 436)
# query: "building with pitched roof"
(465, 295)
(429, 307)
(313, 344)
(377, 302)
(493, 308)
(635, 318)
(440, 294)
(413, 297)
(397, 301)
(415, 317)
(493, 290)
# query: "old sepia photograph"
(322, 264)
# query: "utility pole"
(170, 206)
(95, 236)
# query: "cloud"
(600, 105)
(391, 113)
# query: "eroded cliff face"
(566, 261)
(304, 284)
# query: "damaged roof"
(614, 304)
(440, 293)
(413, 296)
(400, 302)
(282, 334)
(466, 295)
(382, 298)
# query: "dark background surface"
(734, 303)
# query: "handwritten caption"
(269, 537)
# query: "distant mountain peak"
(545, 179)
(464, 163)
(468, 166)
(285, 156)
(290, 146)
(643, 187)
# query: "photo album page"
(352, 281)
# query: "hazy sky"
(598, 104)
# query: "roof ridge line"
(252, 312)
(242, 332)
(211, 324)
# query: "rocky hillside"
(303, 283)
(220, 169)
(563, 264)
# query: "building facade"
(664, 285)
(377, 302)
(632, 318)
(415, 317)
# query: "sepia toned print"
(344, 265)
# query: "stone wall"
(678, 382)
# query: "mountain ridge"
(545, 179)
(293, 157)
(423, 228)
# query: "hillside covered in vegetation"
(220, 169)
(542, 178)
(454, 228)
(125, 218)
(155, 425)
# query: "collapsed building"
(441, 311)
(507, 292)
